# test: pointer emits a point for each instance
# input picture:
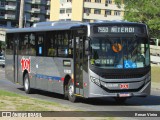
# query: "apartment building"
(8, 13)
(85, 10)
(34, 11)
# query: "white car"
(2, 61)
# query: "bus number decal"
(25, 64)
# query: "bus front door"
(78, 65)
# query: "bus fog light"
(95, 80)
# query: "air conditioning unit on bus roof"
(54, 23)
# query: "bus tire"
(71, 95)
(120, 100)
(27, 84)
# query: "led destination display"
(118, 29)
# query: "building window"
(2, 13)
(35, 6)
(108, 1)
(2, 3)
(47, 7)
(97, 11)
(87, 10)
(34, 15)
(69, 0)
(87, 0)
(98, 1)
(47, 17)
(68, 10)
(108, 12)
(62, 11)
(68, 20)
(86, 20)
(117, 13)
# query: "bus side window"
(27, 44)
(51, 49)
(51, 44)
(63, 38)
(40, 45)
(9, 43)
(23, 44)
(31, 45)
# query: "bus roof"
(63, 25)
(48, 26)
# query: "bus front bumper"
(143, 92)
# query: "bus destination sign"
(117, 29)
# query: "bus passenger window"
(40, 45)
(63, 38)
(51, 44)
(51, 50)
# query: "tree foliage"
(144, 11)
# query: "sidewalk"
(155, 86)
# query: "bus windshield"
(119, 52)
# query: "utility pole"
(21, 14)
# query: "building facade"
(34, 11)
(85, 10)
(8, 13)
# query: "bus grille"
(122, 76)
(122, 91)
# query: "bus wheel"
(120, 100)
(71, 95)
(27, 84)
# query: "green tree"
(144, 11)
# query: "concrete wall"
(77, 10)
(54, 12)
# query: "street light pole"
(21, 14)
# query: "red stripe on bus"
(72, 80)
(62, 79)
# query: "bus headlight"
(95, 80)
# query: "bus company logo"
(124, 86)
(26, 64)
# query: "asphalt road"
(150, 103)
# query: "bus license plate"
(124, 94)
